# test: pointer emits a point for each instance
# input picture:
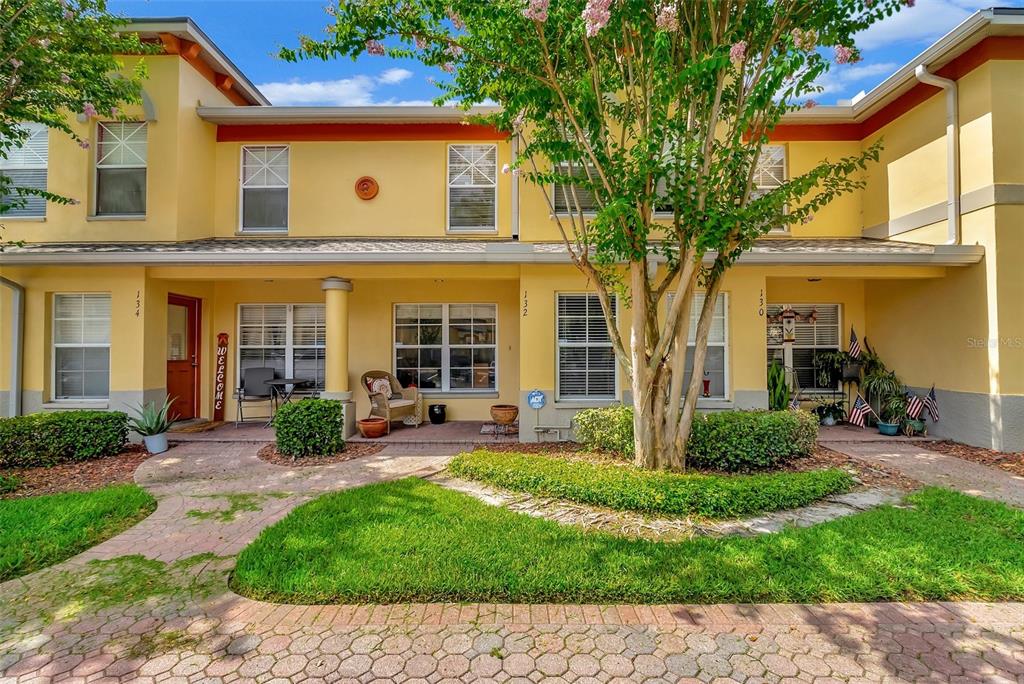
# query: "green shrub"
(625, 487)
(723, 440)
(605, 429)
(311, 427)
(45, 439)
(9, 483)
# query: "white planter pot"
(828, 421)
(156, 444)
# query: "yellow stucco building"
(324, 242)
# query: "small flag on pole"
(914, 405)
(854, 349)
(931, 402)
(859, 412)
(794, 403)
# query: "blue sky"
(250, 31)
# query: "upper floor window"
(571, 198)
(121, 169)
(586, 360)
(265, 187)
(472, 187)
(81, 346)
(25, 168)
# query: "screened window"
(25, 168)
(571, 199)
(121, 169)
(265, 187)
(716, 359)
(290, 338)
(817, 331)
(446, 347)
(81, 346)
(472, 187)
(586, 359)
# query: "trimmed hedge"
(723, 440)
(625, 487)
(46, 439)
(310, 427)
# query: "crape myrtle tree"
(656, 113)
(58, 59)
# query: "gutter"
(17, 341)
(952, 149)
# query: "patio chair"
(253, 390)
(391, 405)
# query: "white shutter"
(569, 199)
(31, 154)
(265, 166)
(472, 187)
(770, 170)
(122, 144)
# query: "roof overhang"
(339, 115)
(821, 252)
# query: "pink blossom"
(804, 40)
(810, 104)
(374, 47)
(84, 144)
(845, 54)
(16, 63)
(43, 42)
(68, 15)
(537, 10)
(668, 17)
(89, 110)
(64, 78)
(114, 111)
(807, 219)
(506, 168)
(448, 67)
(455, 50)
(456, 21)
(909, 3)
(596, 15)
(421, 42)
(738, 51)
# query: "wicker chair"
(402, 402)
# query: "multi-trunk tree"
(652, 116)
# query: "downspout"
(515, 189)
(17, 340)
(952, 148)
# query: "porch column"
(336, 384)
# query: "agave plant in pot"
(152, 423)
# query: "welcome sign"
(219, 376)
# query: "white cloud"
(355, 91)
(840, 77)
(922, 23)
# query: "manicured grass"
(42, 530)
(411, 540)
(627, 488)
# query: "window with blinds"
(447, 347)
(290, 338)
(472, 187)
(81, 346)
(25, 168)
(586, 360)
(770, 173)
(121, 153)
(716, 359)
(572, 198)
(817, 329)
(264, 188)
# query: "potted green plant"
(829, 367)
(153, 423)
(893, 414)
(830, 412)
(778, 388)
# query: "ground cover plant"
(412, 540)
(627, 487)
(46, 439)
(43, 530)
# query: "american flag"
(859, 412)
(854, 350)
(931, 402)
(794, 403)
(914, 405)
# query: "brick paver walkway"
(152, 605)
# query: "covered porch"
(462, 433)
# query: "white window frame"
(33, 129)
(554, 196)
(559, 345)
(96, 166)
(448, 190)
(289, 337)
(446, 348)
(54, 345)
(726, 344)
(785, 176)
(242, 186)
(787, 349)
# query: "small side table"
(282, 390)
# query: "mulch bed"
(1010, 462)
(352, 450)
(81, 476)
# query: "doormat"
(197, 426)
(499, 430)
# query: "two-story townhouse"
(325, 242)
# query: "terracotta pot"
(372, 428)
(504, 414)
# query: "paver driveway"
(152, 605)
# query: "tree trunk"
(699, 354)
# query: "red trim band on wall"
(355, 131)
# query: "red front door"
(183, 355)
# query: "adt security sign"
(536, 399)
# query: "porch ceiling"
(774, 251)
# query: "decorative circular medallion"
(367, 188)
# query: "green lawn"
(42, 530)
(625, 487)
(411, 540)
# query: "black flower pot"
(851, 372)
(438, 413)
